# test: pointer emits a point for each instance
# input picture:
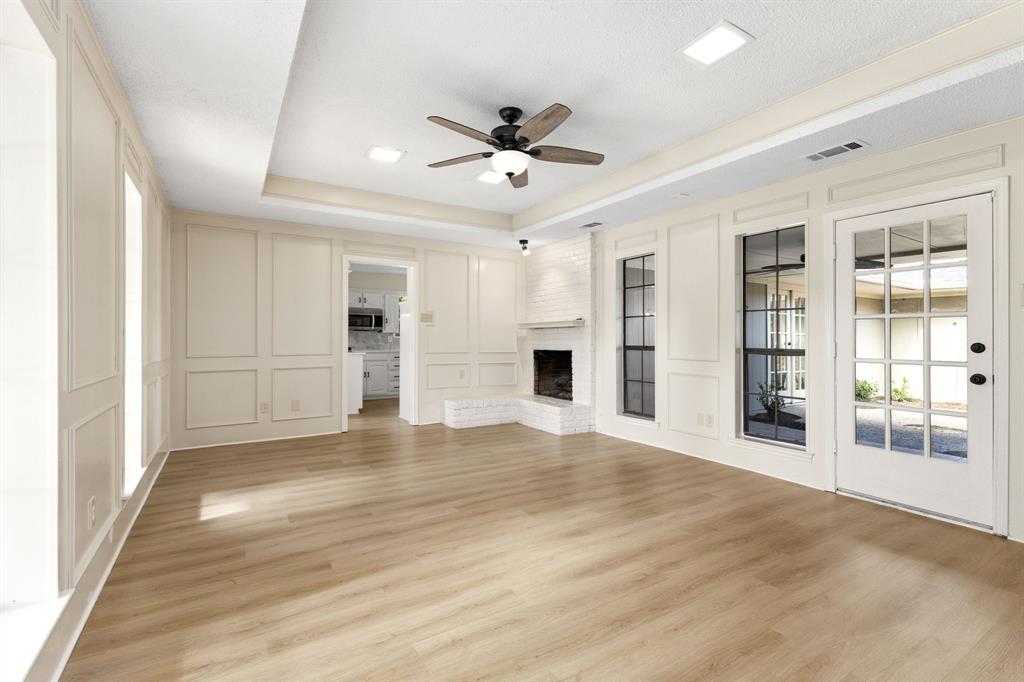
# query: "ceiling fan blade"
(543, 123)
(520, 180)
(460, 159)
(464, 130)
(566, 155)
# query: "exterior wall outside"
(696, 357)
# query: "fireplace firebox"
(552, 373)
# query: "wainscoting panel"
(220, 398)
(447, 375)
(302, 316)
(692, 293)
(94, 450)
(221, 274)
(691, 395)
(301, 392)
(446, 295)
(498, 373)
(93, 234)
(496, 305)
(772, 207)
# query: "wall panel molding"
(447, 375)
(771, 208)
(498, 373)
(211, 283)
(309, 383)
(307, 276)
(220, 397)
(94, 451)
(636, 240)
(918, 174)
(497, 287)
(687, 395)
(692, 295)
(371, 249)
(446, 277)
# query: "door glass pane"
(870, 383)
(634, 302)
(791, 250)
(948, 389)
(907, 433)
(948, 289)
(949, 437)
(869, 250)
(633, 365)
(870, 294)
(648, 398)
(948, 239)
(906, 291)
(906, 338)
(757, 372)
(649, 270)
(760, 290)
(907, 385)
(869, 338)
(757, 329)
(906, 245)
(793, 421)
(634, 331)
(634, 272)
(649, 331)
(759, 252)
(761, 416)
(870, 426)
(949, 339)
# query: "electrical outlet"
(264, 408)
(91, 512)
(709, 421)
(296, 406)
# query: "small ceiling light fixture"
(491, 177)
(510, 162)
(524, 244)
(678, 195)
(385, 154)
(720, 40)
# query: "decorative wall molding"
(447, 375)
(442, 284)
(193, 421)
(497, 373)
(386, 250)
(702, 394)
(496, 301)
(691, 298)
(918, 174)
(323, 346)
(190, 231)
(771, 208)
(636, 240)
(280, 413)
(80, 555)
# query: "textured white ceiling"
(371, 72)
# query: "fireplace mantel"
(578, 322)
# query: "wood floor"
(399, 553)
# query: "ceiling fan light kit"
(513, 143)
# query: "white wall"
(376, 281)
(257, 314)
(696, 332)
(97, 141)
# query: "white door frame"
(412, 295)
(999, 187)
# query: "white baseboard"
(54, 655)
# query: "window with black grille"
(638, 319)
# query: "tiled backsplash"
(372, 341)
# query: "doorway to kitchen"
(379, 326)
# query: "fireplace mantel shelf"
(578, 322)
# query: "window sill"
(630, 420)
(778, 449)
(24, 630)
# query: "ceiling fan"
(512, 143)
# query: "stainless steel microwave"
(365, 319)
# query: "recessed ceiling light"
(720, 40)
(385, 154)
(491, 177)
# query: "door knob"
(977, 347)
(977, 379)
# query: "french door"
(914, 358)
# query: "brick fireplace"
(552, 373)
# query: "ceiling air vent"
(590, 225)
(836, 151)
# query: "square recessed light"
(491, 177)
(720, 40)
(385, 154)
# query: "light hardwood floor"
(399, 553)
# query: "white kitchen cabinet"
(355, 381)
(373, 299)
(391, 313)
(355, 299)
(377, 380)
